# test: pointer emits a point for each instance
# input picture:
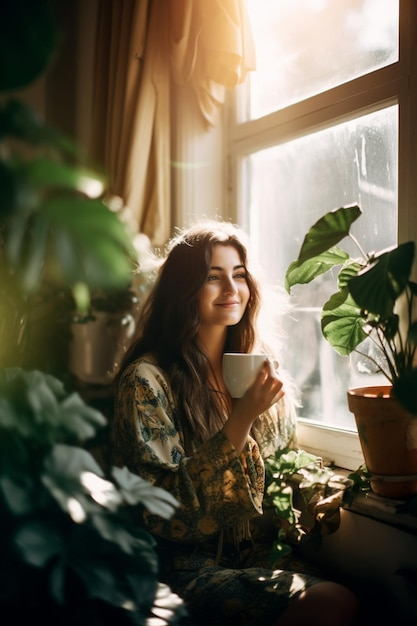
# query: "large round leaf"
(376, 288)
(72, 239)
(328, 231)
(301, 273)
(342, 323)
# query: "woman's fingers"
(272, 365)
(267, 388)
(273, 381)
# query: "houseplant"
(72, 552)
(101, 336)
(374, 301)
(304, 496)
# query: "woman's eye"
(212, 277)
(240, 276)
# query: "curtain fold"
(211, 49)
(141, 46)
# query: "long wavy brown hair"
(170, 321)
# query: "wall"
(379, 561)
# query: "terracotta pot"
(388, 436)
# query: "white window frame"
(395, 84)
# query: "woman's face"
(223, 298)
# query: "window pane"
(290, 186)
(304, 47)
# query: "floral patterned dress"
(211, 552)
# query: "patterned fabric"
(207, 553)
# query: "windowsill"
(338, 447)
(381, 509)
(341, 451)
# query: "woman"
(176, 425)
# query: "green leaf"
(283, 503)
(342, 323)
(38, 542)
(82, 299)
(137, 490)
(42, 172)
(33, 254)
(376, 288)
(279, 550)
(118, 578)
(128, 539)
(16, 492)
(37, 407)
(285, 463)
(301, 272)
(293, 460)
(18, 120)
(348, 271)
(74, 480)
(90, 243)
(72, 240)
(79, 418)
(328, 231)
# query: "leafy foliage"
(291, 475)
(372, 292)
(54, 221)
(361, 479)
(60, 242)
(73, 549)
(69, 539)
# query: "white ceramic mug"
(240, 370)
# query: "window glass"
(304, 47)
(291, 185)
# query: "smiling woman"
(222, 300)
(176, 425)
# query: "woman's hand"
(261, 395)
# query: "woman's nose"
(230, 286)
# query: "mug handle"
(274, 364)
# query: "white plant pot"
(97, 347)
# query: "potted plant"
(374, 301)
(71, 550)
(304, 496)
(101, 336)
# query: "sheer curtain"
(142, 48)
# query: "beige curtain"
(141, 46)
(211, 49)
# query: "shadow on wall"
(379, 562)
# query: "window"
(325, 121)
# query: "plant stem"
(358, 245)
